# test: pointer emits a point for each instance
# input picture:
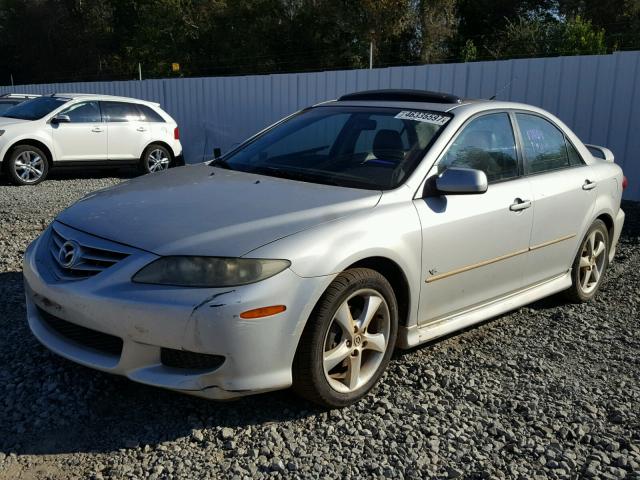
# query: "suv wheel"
(155, 158)
(27, 165)
(348, 340)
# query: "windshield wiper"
(220, 163)
(302, 176)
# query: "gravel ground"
(548, 391)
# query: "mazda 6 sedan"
(303, 257)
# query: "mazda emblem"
(69, 254)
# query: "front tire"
(348, 340)
(590, 264)
(156, 158)
(27, 165)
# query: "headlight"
(208, 271)
(1, 132)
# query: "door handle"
(589, 185)
(519, 204)
(96, 129)
(141, 129)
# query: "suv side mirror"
(60, 119)
(461, 181)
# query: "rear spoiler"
(601, 153)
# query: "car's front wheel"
(27, 165)
(348, 340)
(590, 264)
(155, 158)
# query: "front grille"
(189, 360)
(83, 336)
(90, 261)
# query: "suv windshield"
(360, 147)
(35, 109)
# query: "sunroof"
(403, 96)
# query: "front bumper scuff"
(258, 353)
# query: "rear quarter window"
(149, 114)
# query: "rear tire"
(590, 264)
(27, 165)
(156, 158)
(348, 340)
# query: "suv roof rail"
(18, 95)
(403, 96)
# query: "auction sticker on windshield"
(426, 117)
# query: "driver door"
(84, 137)
(475, 246)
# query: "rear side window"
(545, 148)
(120, 112)
(487, 143)
(149, 114)
(84, 112)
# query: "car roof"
(95, 96)
(424, 100)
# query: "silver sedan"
(305, 256)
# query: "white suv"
(85, 130)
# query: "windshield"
(35, 109)
(360, 147)
(4, 106)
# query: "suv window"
(120, 112)
(544, 144)
(149, 114)
(84, 112)
(487, 143)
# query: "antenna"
(503, 88)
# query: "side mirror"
(60, 119)
(461, 181)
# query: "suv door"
(475, 246)
(84, 137)
(128, 132)
(563, 196)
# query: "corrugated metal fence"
(598, 96)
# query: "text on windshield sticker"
(426, 117)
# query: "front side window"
(487, 143)
(120, 112)
(84, 112)
(359, 147)
(544, 145)
(35, 109)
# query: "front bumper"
(257, 353)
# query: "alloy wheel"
(592, 261)
(29, 166)
(356, 341)
(157, 160)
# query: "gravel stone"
(548, 391)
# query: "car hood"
(6, 121)
(202, 210)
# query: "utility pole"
(12, 79)
(371, 54)
(139, 71)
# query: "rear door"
(84, 138)
(563, 196)
(475, 246)
(128, 132)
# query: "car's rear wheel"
(155, 158)
(348, 340)
(27, 165)
(590, 264)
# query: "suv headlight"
(209, 271)
(1, 132)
